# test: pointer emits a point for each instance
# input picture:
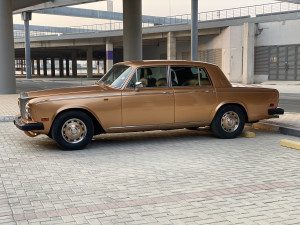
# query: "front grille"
(22, 103)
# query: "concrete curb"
(287, 130)
(290, 144)
(290, 131)
(7, 118)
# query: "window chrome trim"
(126, 83)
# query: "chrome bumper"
(28, 126)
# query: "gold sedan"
(146, 95)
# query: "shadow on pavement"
(108, 141)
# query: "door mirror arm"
(138, 85)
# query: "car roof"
(138, 63)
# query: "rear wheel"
(73, 130)
(229, 122)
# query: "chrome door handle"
(165, 92)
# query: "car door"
(152, 104)
(194, 94)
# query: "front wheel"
(229, 122)
(73, 130)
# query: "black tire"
(220, 126)
(84, 123)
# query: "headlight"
(27, 111)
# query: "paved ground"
(161, 177)
(290, 87)
(48, 83)
(174, 177)
(9, 105)
(288, 120)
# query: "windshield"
(116, 76)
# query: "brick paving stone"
(161, 177)
(9, 105)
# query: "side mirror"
(138, 85)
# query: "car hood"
(70, 91)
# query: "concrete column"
(109, 55)
(74, 64)
(110, 5)
(98, 67)
(7, 54)
(132, 32)
(52, 67)
(61, 67)
(171, 46)
(89, 59)
(194, 30)
(22, 67)
(67, 67)
(38, 67)
(16, 65)
(26, 17)
(45, 67)
(248, 53)
(104, 67)
(32, 67)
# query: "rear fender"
(222, 104)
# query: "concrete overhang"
(291, 1)
(32, 5)
(19, 4)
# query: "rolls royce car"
(146, 95)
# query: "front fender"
(85, 109)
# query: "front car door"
(195, 96)
(150, 105)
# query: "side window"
(150, 77)
(184, 76)
(189, 76)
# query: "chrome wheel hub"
(230, 121)
(73, 131)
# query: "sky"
(149, 7)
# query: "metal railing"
(247, 11)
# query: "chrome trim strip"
(163, 92)
(85, 97)
(168, 126)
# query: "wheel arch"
(238, 104)
(98, 128)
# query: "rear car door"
(194, 94)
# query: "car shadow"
(134, 139)
(149, 137)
